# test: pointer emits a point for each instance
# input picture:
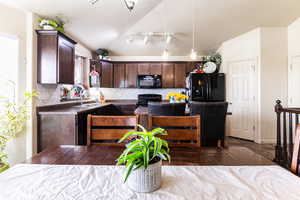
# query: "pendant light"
(193, 54)
(165, 54)
(130, 4)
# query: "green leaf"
(141, 127)
(128, 171)
(130, 133)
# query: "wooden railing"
(287, 119)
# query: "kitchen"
(121, 88)
(149, 99)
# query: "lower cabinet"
(71, 128)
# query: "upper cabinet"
(131, 75)
(56, 58)
(143, 68)
(107, 74)
(119, 75)
(180, 75)
(155, 69)
(168, 75)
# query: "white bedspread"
(32, 182)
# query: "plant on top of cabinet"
(56, 58)
(52, 24)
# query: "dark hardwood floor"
(266, 150)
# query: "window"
(80, 70)
(9, 58)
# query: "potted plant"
(12, 122)
(52, 24)
(143, 159)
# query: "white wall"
(273, 81)
(269, 47)
(13, 22)
(293, 63)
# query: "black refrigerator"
(207, 87)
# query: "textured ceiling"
(108, 23)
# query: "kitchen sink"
(87, 105)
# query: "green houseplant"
(13, 117)
(52, 24)
(143, 157)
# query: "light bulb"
(193, 54)
(146, 40)
(165, 54)
(169, 38)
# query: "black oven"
(149, 81)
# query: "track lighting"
(130, 4)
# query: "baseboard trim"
(268, 141)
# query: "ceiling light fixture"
(165, 54)
(93, 1)
(193, 51)
(130, 4)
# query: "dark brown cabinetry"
(144, 69)
(119, 75)
(180, 75)
(56, 57)
(168, 75)
(107, 74)
(131, 75)
(59, 125)
(124, 74)
(155, 69)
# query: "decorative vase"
(172, 99)
(146, 180)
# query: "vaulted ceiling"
(108, 23)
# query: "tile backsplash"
(125, 94)
(50, 94)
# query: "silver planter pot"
(148, 180)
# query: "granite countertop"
(76, 107)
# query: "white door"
(242, 95)
(294, 82)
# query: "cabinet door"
(180, 69)
(155, 69)
(190, 66)
(66, 61)
(47, 59)
(144, 69)
(131, 75)
(107, 75)
(119, 75)
(168, 75)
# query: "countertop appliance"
(149, 81)
(143, 99)
(206, 87)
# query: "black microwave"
(149, 81)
